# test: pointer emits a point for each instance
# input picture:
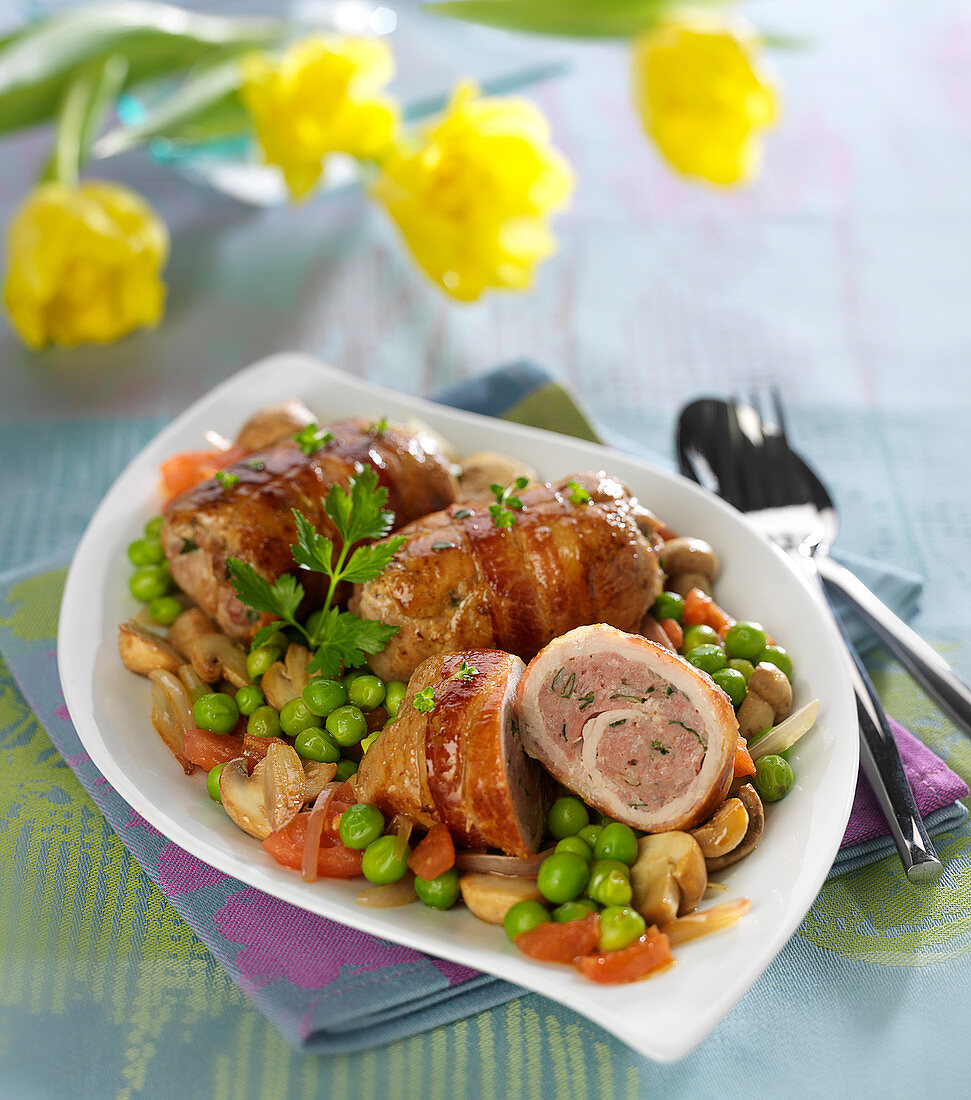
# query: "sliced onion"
(402, 827)
(193, 682)
(787, 733)
(283, 784)
(315, 830)
(703, 921)
(389, 894)
(171, 713)
(494, 864)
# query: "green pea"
(745, 640)
(739, 664)
(609, 882)
(248, 699)
(523, 917)
(313, 743)
(575, 845)
(776, 655)
(619, 927)
(212, 782)
(263, 722)
(394, 697)
(441, 892)
(351, 675)
(258, 661)
(295, 717)
(279, 641)
(149, 582)
(574, 910)
(773, 778)
(617, 841)
(345, 769)
(709, 658)
(697, 635)
(366, 692)
(669, 605)
(589, 835)
(567, 817)
(562, 877)
(732, 683)
(165, 610)
(154, 527)
(381, 863)
(215, 712)
(312, 622)
(360, 825)
(323, 696)
(146, 552)
(347, 725)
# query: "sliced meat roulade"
(460, 762)
(631, 727)
(581, 550)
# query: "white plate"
(664, 1017)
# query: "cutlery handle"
(927, 667)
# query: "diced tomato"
(645, 955)
(342, 798)
(434, 854)
(333, 860)
(182, 471)
(696, 607)
(744, 764)
(675, 634)
(562, 943)
(209, 749)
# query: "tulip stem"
(82, 112)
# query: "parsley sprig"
(311, 438)
(507, 503)
(465, 671)
(338, 638)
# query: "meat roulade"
(632, 728)
(582, 550)
(250, 517)
(460, 762)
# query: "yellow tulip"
(83, 264)
(321, 97)
(703, 97)
(473, 193)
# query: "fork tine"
(748, 481)
(797, 485)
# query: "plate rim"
(254, 874)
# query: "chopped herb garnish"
(465, 671)
(619, 722)
(671, 690)
(578, 495)
(585, 700)
(507, 503)
(339, 639)
(188, 546)
(628, 695)
(443, 545)
(462, 513)
(424, 701)
(227, 481)
(311, 438)
(256, 464)
(378, 427)
(662, 749)
(563, 731)
(566, 690)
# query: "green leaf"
(264, 634)
(311, 438)
(38, 64)
(281, 598)
(368, 562)
(211, 86)
(360, 514)
(347, 641)
(312, 550)
(424, 700)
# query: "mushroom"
(215, 657)
(766, 702)
(486, 468)
(316, 776)
(668, 877)
(490, 897)
(285, 680)
(171, 713)
(753, 834)
(284, 784)
(274, 424)
(144, 652)
(689, 563)
(242, 797)
(724, 830)
(187, 627)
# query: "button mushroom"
(284, 784)
(490, 897)
(689, 563)
(747, 795)
(171, 712)
(767, 701)
(668, 877)
(486, 468)
(242, 797)
(724, 830)
(273, 424)
(215, 657)
(144, 652)
(285, 680)
(187, 627)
